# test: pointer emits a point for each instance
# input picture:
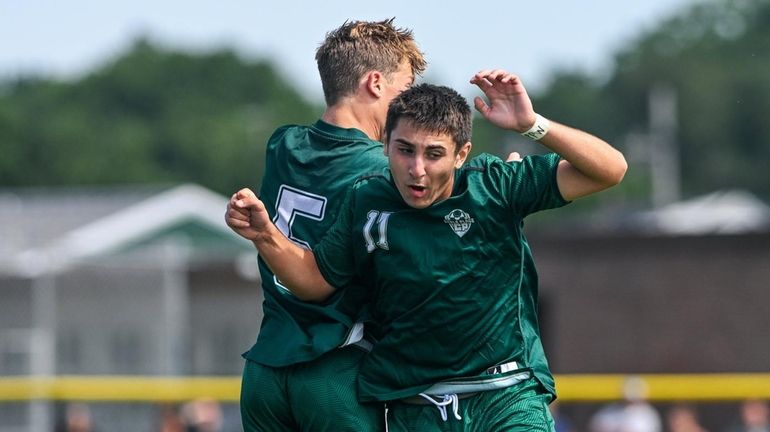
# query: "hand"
(509, 105)
(246, 214)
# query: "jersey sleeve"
(530, 185)
(334, 252)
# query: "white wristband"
(539, 129)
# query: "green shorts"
(314, 396)
(522, 407)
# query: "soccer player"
(300, 374)
(440, 243)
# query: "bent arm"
(294, 266)
(590, 164)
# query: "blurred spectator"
(170, 420)
(561, 422)
(755, 417)
(683, 418)
(202, 415)
(77, 418)
(633, 414)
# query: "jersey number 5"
(290, 204)
(293, 202)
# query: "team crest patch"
(459, 221)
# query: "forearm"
(294, 266)
(590, 155)
(593, 164)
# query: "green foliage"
(151, 115)
(157, 115)
(716, 56)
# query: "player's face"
(395, 83)
(423, 163)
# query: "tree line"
(164, 116)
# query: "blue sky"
(69, 38)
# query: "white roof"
(721, 212)
(107, 230)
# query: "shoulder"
(370, 153)
(372, 178)
(493, 165)
(374, 185)
(482, 162)
(481, 165)
(286, 131)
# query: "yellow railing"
(120, 388)
(571, 388)
(666, 387)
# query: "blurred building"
(124, 281)
(680, 289)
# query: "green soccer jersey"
(455, 286)
(307, 174)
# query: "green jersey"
(308, 171)
(455, 286)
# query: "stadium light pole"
(664, 152)
(176, 303)
(43, 340)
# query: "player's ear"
(461, 155)
(375, 82)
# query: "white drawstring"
(386, 417)
(442, 404)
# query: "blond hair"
(357, 47)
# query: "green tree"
(716, 57)
(150, 115)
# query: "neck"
(349, 115)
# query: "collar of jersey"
(328, 128)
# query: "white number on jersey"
(293, 203)
(381, 218)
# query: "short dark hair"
(357, 47)
(433, 108)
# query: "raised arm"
(294, 266)
(590, 164)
